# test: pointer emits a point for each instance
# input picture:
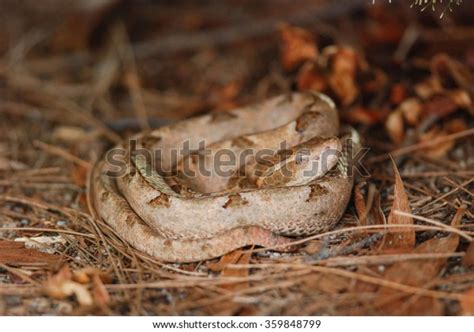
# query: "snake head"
(302, 164)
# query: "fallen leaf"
(467, 303)
(99, 292)
(461, 98)
(79, 175)
(85, 275)
(312, 247)
(344, 87)
(449, 71)
(417, 273)
(439, 150)
(398, 93)
(42, 243)
(361, 208)
(403, 239)
(79, 23)
(15, 253)
(233, 258)
(428, 88)
(61, 286)
(297, 45)
(343, 72)
(411, 109)
(468, 259)
(362, 115)
(395, 127)
(310, 78)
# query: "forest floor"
(77, 78)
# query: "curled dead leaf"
(61, 286)
(395, 127)
(411, 109)
(344, 65)
(235, 257)
(310, 78)
(297, 46)
(437, 133)
(428, 88)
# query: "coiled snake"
(190, 214)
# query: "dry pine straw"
(323, 282)
(354, 269)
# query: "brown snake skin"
(185, 219)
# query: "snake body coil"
(184, 218)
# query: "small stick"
(61, 153)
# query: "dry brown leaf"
(61, 286)
(467, 303)
(297, 46)
(99, 292)
(230, 258)
(313, 247)
(343, 72)
(86, 274)
(309, 78)
(440, 106)
(468, 259)
(79, 23)
(344, 87)
(440, 149)
(437, 133)
(15, 253)
(411, 109)
(461, 98)
(43, 243)
(361, 208)
(361, 115)
(326, 283)
(395, 127)
(428, 88)
(455, 126)
(417, 273)
(447, 70)
(403, 240)
(414, 273)
(235, 257)
(398, 93)
(79, 175)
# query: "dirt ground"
(78, 76)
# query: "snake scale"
(192, 215)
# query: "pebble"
(61, 223)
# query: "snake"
(169, 192)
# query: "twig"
(61, 153)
